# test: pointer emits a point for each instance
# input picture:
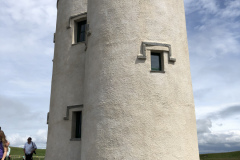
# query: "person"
(8, 143)
(8, 154)
(3, 146)
(29, 148)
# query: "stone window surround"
(75, 108)
(154, 46)
(161, 48)
(72, 24)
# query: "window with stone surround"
(78, 25)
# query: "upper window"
(78, 23)
(156, 61)
(81, 29)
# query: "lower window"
(77, 125)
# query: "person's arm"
(5, 153)
(34, 147)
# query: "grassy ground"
(17, 154)
(221, 156)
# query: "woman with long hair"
(3, 146)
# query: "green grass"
(17, 154)
(221, 156)
(19, 151)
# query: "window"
(78, 23)
(76, 125)
(81, 28)
(156, 61)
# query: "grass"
(17, 154)
(221, 156)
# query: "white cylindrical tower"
(122, 82)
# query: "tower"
(121, 84)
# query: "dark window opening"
(77, 124)
(81, 29)
(156, 62)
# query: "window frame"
(73, 21)
(161, 61)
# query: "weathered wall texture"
(67, 84)
(129, 112)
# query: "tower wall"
(128, 111)
(67, 83)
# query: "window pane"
(155, 62)
(78, 31)
(78, 124)
(82, 37)
(83, 27)
(81, 31)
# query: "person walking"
(29, 148)
(3, 146)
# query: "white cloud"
(232, 9)
(18, 140)
(26, 53)
(210, 141)
(202, 6)
(41, 138)
(30, 11)
(204, 126)
(213, 36)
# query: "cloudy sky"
(26, 52)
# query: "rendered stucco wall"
(67, 84)
(129, 112)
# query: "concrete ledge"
(78, 16)
(83, 42)
(71, 107)
(75, 139)
(157, 71)
(142, 55)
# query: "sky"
(26, 53)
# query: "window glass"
(156, 62)
(81, 27)
(78, 124)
